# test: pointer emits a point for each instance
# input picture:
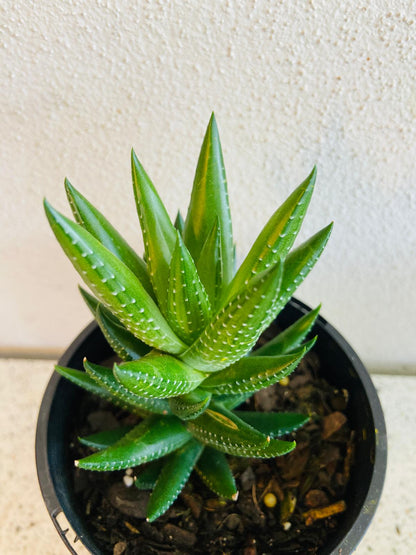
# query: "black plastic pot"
(339, 365)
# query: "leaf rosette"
(184, 324)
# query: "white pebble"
(128, 481)
(287, 526)
(129, 472)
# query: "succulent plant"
(184, 324)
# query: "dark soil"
(307, 485)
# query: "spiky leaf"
(209, 200)
(159, 234)
(153, 438)
(102, 440)
(223, 430)
(291, 337)
(113, 283)
(83, 380)
(232, 401)
(300, 262)
(105, 378)
(274, 424)
(147, 476)
(236, 327)
(189, 309)
(173, 477)
(210, 265)
(179, 223)
(100, 228)
(123, 343)
(158, 375)
(213, 468)
(277, 236)
(252, 373)
(190, 405)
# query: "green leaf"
(113, 283)
(210, 266)
(231, 401)
(95, 223)
(252, 373)
(134, 403)
(274, 424)
(173, 477)
(300, 262)
(102, 440)
(159, 235)
(158, 375)
(81, 379)
(223, 430)
(209, 200)
(236, 327)
(179, 223)
(277, 236)
(121, 340)
(189, 309)
(147, 477)
(153, 438)
(214, 470)
(190, 405)
(123, 343)
(291, 337)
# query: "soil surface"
(290, 504)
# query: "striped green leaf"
(214, 470)
(113, 283)
(158, 376)
(159, 234)
(93, 221)
(291, 337)
(173, 477)
(105, 378)
(154, 437)
(252, 373)
(236, 327)
(277, 236)
(147, 476)
(223, 430)
(273, 424)
(179, 223)
(300, 262)
(232, 401)
(189, 309)
(210, 265)
(102, 440)
(209, 200)
(83, 380)
(190, 405)
(123, 343)
(91, 385)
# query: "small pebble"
(284, 381)
(247, 479)
(287, 526)
(129, 472)
(233, 521)
(128, 480)
(119, 548)
(270, 500)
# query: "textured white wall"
(292, 84)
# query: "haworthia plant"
(185, 324)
